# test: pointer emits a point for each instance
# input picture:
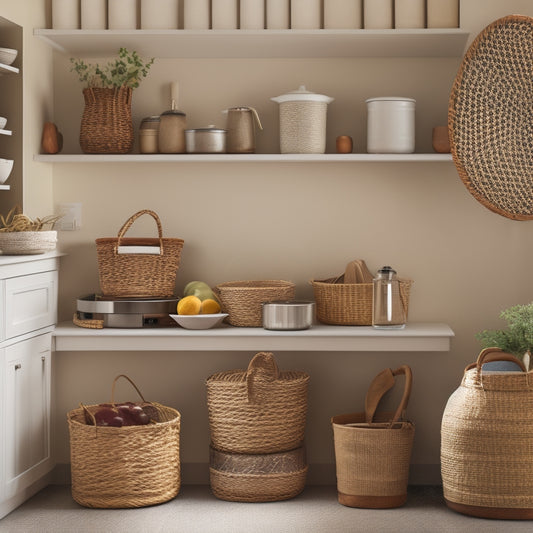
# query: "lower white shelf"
(416, 337)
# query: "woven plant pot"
(106, 123)
(486, 442)
(258, 410)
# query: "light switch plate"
(70, 216)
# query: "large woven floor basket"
(487, 442)
(350, 304)
(257, 478)
(121, 467)
(373, 449)
(258, 410)
(149, 272)
(242, 299)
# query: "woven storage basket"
(258, 410)
(138, 275)
(490, 116)
(106, 123)
(27, 242)
(349, 304)
(486, 446)
(373, 450)
(257, 478)
(242, 299)
(119, 467)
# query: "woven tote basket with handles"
(147, 273)
(129, 466)
(373, 449)
(272, 477)
(242, 299)
(487, 442)
(258, 410)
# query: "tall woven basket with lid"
(258, 410)
(106, 123)
(487, 442)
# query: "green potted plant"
(517, 339)
(106, 124)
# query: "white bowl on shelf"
(8, 55)
(199, 321)
(3, 122)
(6, 166)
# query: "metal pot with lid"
(208, 140)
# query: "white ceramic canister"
(302, 121)
(93, 14)
(306, 14)
(410, 13)
(378, 14)
(443, 13)
(390, 125)
(224, 14)
(122, 14)
(159, 14)
(197, 15)
(65, 14)
(343, 14)
(278, 14)
(252, 15)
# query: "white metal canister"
(390, 125)
(302, 121)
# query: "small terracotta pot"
(441, 140)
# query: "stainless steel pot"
(288, 315)
(210, 140)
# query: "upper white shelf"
(4, 187)
(242, 158)
(416, 337)
(8, 69)
(259, 43)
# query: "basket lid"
(302, 95)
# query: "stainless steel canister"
(210, 140)
(288, 314)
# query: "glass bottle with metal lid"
(388, 311)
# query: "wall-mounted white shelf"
(243, 158)
(4, 187)
(6, 132)
(416, 337)
(260, 43)
(8, 69)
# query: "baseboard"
(318, 474)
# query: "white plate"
(199, 321)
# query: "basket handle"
(262, 371)
(382, 383)
(127, 225)
(494, 354)
(131, 381)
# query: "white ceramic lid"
(391, 99)
(302, 95)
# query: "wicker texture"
(258, 410)
(257, 478)
(138, 275)
(350, 304)
(106, 123)
(373, 450)
(303, 127)
(242, 299)
(490, 116)
(27, 242)
(487, 432)
(131, 466)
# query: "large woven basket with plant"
(106, 124)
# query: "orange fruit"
(190, 305)
(210, 307)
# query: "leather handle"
(489, 355)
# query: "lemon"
(190, 305)
(210, 307)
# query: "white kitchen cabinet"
(28, 313)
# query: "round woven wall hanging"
(490, 118)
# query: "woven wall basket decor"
(490, 118)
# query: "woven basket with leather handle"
(258, 410)
(373, 450)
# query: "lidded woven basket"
(486, 442)
(258, 410)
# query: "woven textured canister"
(490, 116)
(258, 410)
(486, 442)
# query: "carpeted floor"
(195, 510)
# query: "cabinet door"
(26, 411)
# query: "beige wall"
(297, 222)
